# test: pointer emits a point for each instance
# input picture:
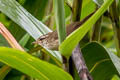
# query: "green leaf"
(115, 78)
(102, 63)
(24, 40)
(24, 19)
(88, 6)
(32, 66)
(73, 39)
(36, 7)
(37, 10)
(60, 19)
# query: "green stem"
(76, 9)
(119, 7)
(116, 25)
(96, 30)
(95, 34)
(60, 19)
(61, 29)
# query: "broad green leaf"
(102, 63)
(36, 10)
(88, 6)
(32, 66)
(24, 19)
(73, 39)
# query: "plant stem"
(61, 29)
(80, 64)
(76, 54)
(96, 30)
(76, 10)
(76, 13)
(60, 19)
(49, 21)
(116, 25)
(118, 7)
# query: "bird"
(50, 40)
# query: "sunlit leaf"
(32, 66)
(73, 39)
(115, 78)
(88, 6)
(24, 19)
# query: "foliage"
(27, 20)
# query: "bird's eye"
(43, 37)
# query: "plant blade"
(60, 19)
(32, 66)
(20, 16)
(100, 61)
(73, 39)
(24, 19)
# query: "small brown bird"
(50, 40)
